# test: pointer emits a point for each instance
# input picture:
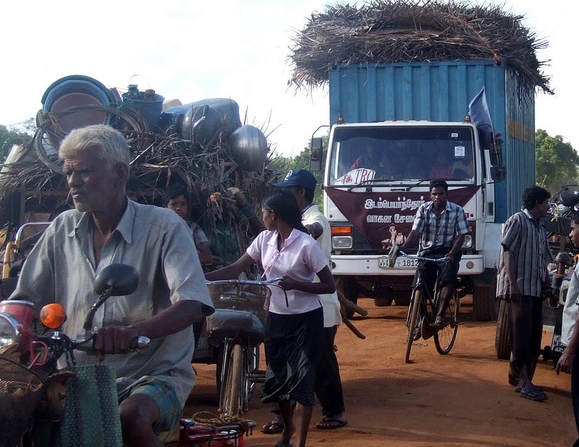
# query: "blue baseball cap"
(298, 177)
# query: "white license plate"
(402, 262)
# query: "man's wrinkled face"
(92, 186)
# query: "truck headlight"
(467, 241)
(341, 242)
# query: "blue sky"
(238, 49)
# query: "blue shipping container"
(442, 91)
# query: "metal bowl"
(248, 147)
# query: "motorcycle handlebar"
(87, 345)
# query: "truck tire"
(502, 337)
(380, 302)
(484, 305)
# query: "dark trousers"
(328, 386)
(526, 330)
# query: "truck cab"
(377, 175)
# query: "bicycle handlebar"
(423, 258)
(248, 282)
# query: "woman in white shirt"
(295, 323)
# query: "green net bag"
(91, 414)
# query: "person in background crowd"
(441, 168)
(107, 228)
(177, 199)
(380, 158)
(294, 327)
(522, 276)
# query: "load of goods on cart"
(202, 146)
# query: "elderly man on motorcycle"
(105, 228)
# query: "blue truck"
(417, 117)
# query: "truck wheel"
(502, 337)
(484, 304)
(402, 298)
(380, 302)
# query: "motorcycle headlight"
(9, 333)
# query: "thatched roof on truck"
(388, 31)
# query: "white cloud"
(234, 49)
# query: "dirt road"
(462, 399)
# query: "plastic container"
(221, 115)
(75, 91)
(148, 103)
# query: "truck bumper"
(365, 265)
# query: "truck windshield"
(400, 153)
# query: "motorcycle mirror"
(117, 279)
(569, 198)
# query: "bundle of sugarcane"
(388, 31)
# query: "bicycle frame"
(424, 307)
(430, 296)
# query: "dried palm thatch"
(388, 31)
(34, 183)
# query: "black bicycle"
(237, 329)
(423, 308)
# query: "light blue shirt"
(157, 242)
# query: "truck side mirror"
(498, 173)
(316, 154)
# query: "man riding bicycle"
(440, 227)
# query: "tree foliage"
(302, 161)
(8, 138)
(557, 161)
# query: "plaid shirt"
(439, 231)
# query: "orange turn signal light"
(53, 315)
(341, 231)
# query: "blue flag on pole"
(478, 110)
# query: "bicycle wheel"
(412, 320)
(445, 337)
(230, 395)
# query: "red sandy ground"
(461, 399)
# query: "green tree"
(301, 161)
(8, 138)
(557, 161)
